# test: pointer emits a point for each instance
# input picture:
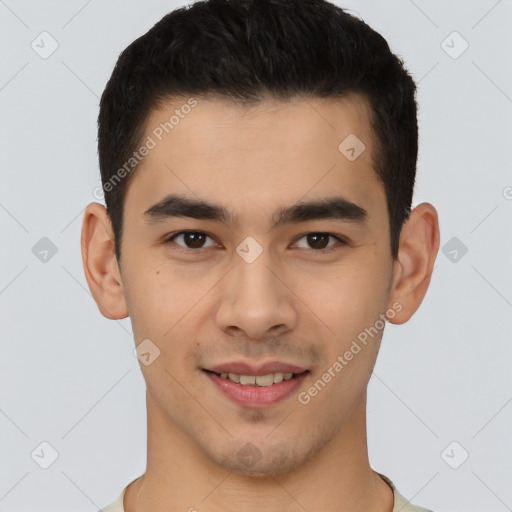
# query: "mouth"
(257, 390)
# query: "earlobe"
(100, 264)
(419, 244)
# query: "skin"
(292, 304)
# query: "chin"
(249, 460)
(262, 469)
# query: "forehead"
(255, 158)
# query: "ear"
(100, 264)
(419, 244)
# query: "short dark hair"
(246, 50)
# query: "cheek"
(351, 308)
(164, 304)
(154, 302)
(346, 297)
(348, 305)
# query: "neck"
(179, 476)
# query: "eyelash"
(188, 249)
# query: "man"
(258, 159)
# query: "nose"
(256, 300)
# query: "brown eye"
(191, 239)
(319, 241)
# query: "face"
(295, 291)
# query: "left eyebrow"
(329, 208)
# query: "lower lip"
(257, 396)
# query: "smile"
(256, 391)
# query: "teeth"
(247, 379)
(265, 380)
(259, 380)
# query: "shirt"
(400, 504)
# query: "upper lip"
(244, 368)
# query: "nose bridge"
(253, 277)
(254, 298)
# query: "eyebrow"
(329, 208)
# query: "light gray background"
(69, 376)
